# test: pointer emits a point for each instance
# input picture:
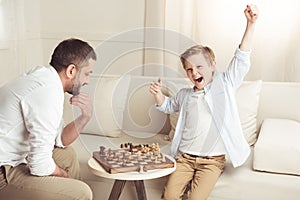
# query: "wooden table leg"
(140, 189)
(117, 189)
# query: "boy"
(208, 125)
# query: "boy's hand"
(155, 89)
(251, 13)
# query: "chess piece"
(131, 147)
(102, 148)
(141, 171)
(139, 157)
(163, 158)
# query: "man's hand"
(60, 172)
(73, 129)
(83, 101)
(251, 13)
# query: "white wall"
(32, 29)
(20, 37)
(100, 22)
(220, 24)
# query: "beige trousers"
(16, 183)
(201, 173)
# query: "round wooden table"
(136, 177)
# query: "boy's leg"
(206, 176)
(179, 179)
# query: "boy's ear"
(71, 71)
(213, 66)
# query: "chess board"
(124, 160)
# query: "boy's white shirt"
(220, 97)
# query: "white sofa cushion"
(141, 118)
(247, 99)
(109, 95)
(277, 148)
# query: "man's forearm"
(72, 130)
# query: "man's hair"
(72, 51)
(198, 49)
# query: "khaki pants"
(201, 173)
(16, 183)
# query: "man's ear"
(71, 71)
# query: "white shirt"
(200, 136)
(220, 97)
(31, 110)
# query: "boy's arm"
(251, 13)
(155, 89)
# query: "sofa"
(124, 111)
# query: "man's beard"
(75, 89)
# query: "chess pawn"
(156, 159)
(102, 148)
(163, 158)
(159, 154)
(141, 170)
(153, 146)
(151, 155)
(139, 157)
(131, 147)
(156, 146)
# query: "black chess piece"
(102, 149)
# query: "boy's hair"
(198, 49)
(72, 51)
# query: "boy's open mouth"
(199, 79)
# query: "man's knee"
(66, 158)
(73, 190)
(85, 192)
(62, 153)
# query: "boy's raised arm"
(251, 13)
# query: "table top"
(98, 170)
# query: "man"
(35, 160)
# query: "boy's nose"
(195, 72)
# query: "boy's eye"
(199, 66)
(189, 70)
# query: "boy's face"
(199, 70)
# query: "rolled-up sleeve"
(58, 140)
(238, 68)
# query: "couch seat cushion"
(277, 148)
